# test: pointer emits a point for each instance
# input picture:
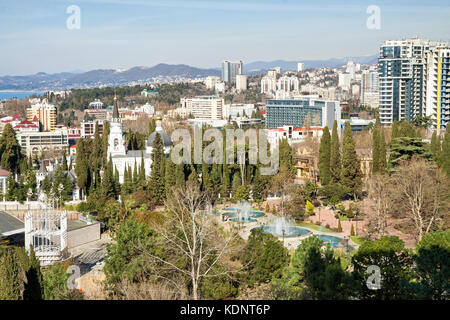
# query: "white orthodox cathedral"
(117, 151)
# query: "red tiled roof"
(16, 116)
(4, 172)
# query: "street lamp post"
(283, 232)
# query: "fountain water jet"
(284, 227)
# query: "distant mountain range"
(103, 77)
(162, 72)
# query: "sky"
(119, 34)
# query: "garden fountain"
(284, 227)
(243, 212)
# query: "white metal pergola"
(46, 231)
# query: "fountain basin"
(251, 214)
(331, 240)
(289, 231)
(243, 219)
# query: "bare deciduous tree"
(380, 195)
(417, 189)
(196, 245)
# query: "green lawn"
(313, 226)
(358, 239)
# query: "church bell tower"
(116, 143)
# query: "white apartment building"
(344, 80)
(34, 143)
(288, 84)
(211, 81)
(220, 87)
(232, 111)
(45, 113)
(272, 73)
(292, 134)
(268, 84)
(241, 82)
(203, 107)
(300, 67)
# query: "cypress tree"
(97, 154)
(10, 149)
(9, 276)
(325, 157)
(34, 285)
(445, 153)
(351, 167)
(395, 130)
(286, 156)
(215, 177)
(193, 178)
(339, 228)
(105, 136)
(352, 231)
(10, 188)
(151, 126)
(170, 177)
(180, 176)
(375, 150)
(156, 182)
(116, 182)
(135, 177)
(206, 181)
(335, 156)
(108, 188)
(142, 170)
(236, 183)
(64, 161)
(226, 182)
(435, 146)
(81, 166)
(126, 181)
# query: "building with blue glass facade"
(230, 69)
(291, 112)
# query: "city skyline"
(116, 34)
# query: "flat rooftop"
(9, 223)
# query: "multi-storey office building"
(203, 107)
(230, 69)
(402, 78)
(321, 113)
(34, 143)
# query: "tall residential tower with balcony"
(403, 74)
(438, 87)
(230, 69)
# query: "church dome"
(167, 142)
